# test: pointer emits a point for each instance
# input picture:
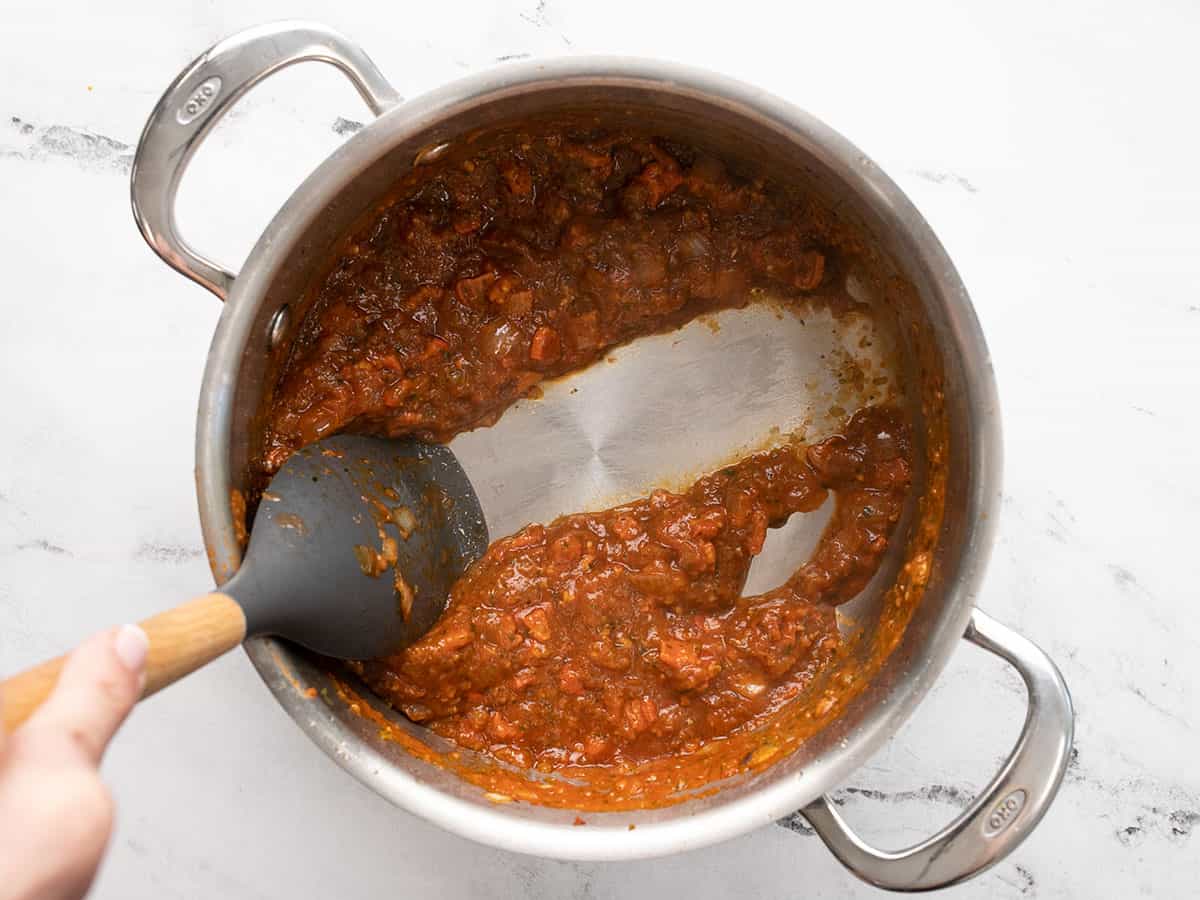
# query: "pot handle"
(1007, 810)
(197, 100)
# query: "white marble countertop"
(1053, 148)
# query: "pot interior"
(612, 432)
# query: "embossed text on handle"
(199, 100)
(1005, 812)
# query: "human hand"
(56, 813)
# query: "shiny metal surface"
(196, 101)
(626, 427)
(1008, 808)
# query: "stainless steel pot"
(263, 305)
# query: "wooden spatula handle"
(181, 640)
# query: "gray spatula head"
(356, 543)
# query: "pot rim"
(494, 825)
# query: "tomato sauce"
(614, 642)
(524, 259)
(621, 636)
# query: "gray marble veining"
(1051, 150)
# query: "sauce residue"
(606, 660)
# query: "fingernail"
(131, 646)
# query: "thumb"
(98, 686)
